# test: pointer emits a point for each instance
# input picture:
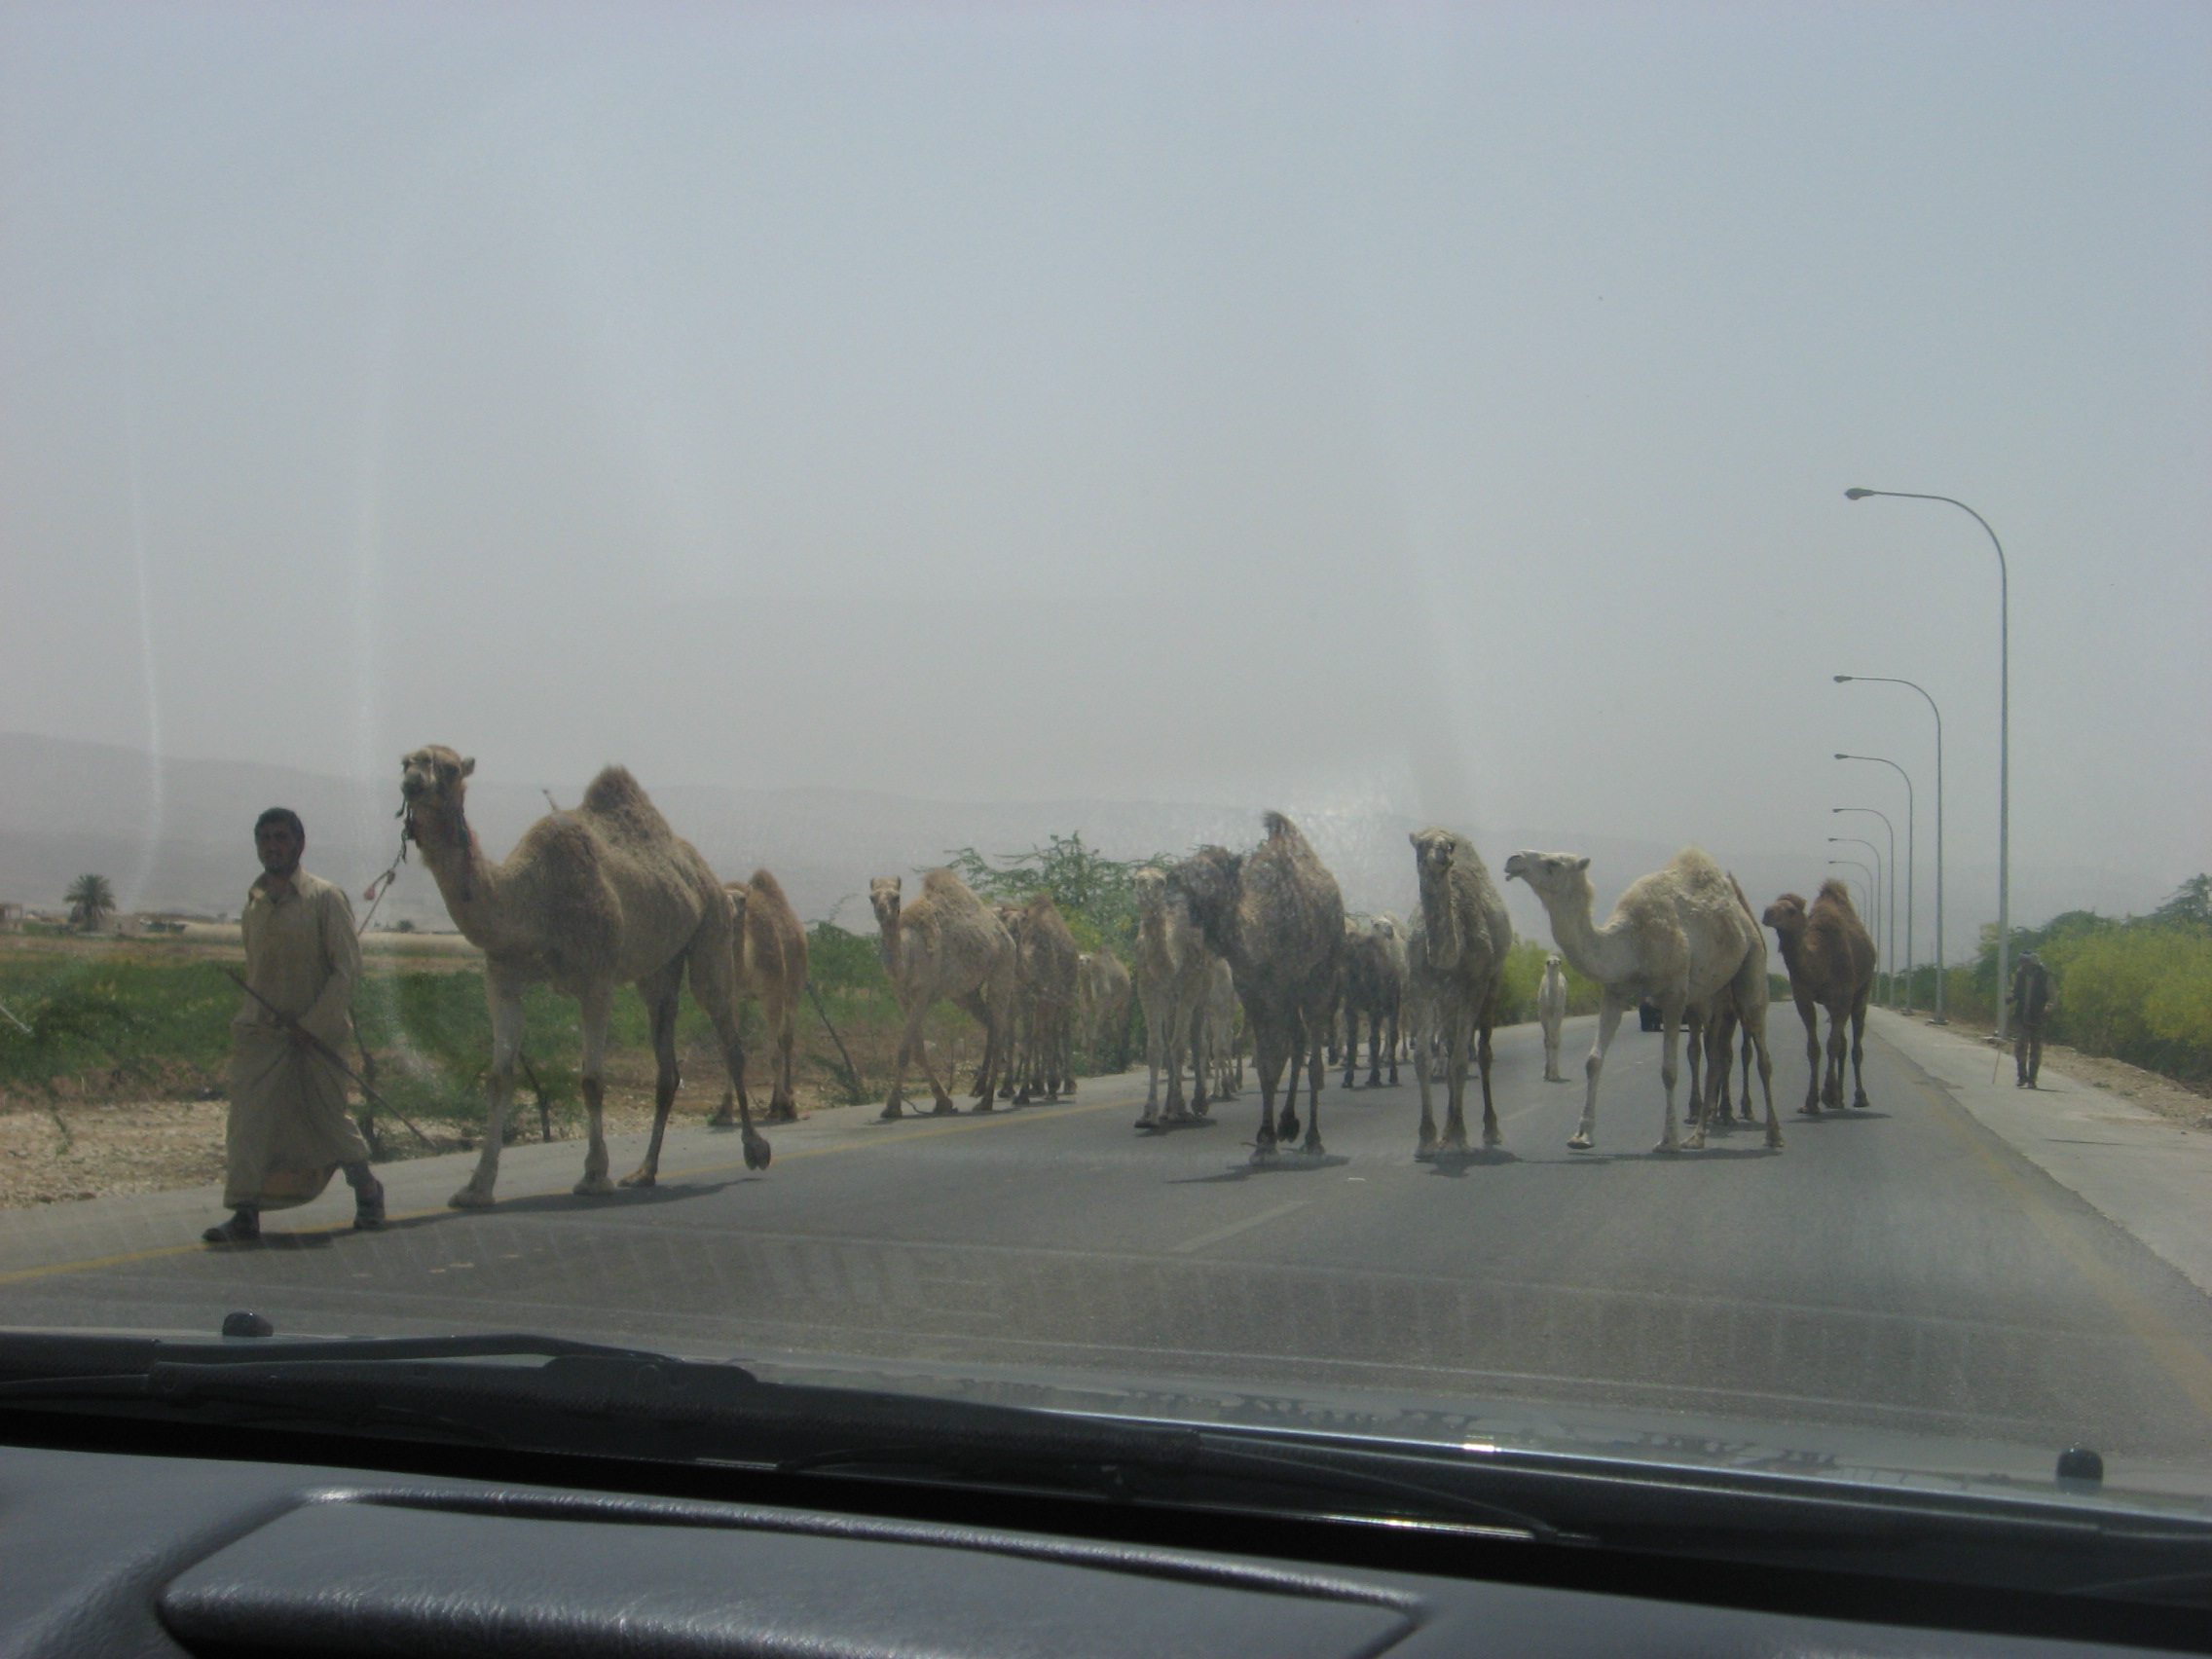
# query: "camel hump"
(1279, 827)
(768, 887)
(617, 795)
(1834, 891)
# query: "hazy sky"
(1448, 408)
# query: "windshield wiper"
(633, 1403)
(586, 1400)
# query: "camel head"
(433, 776)
(1787, 915)
(1554, 875)
(1207, 881)
(1151, 884)
(883, 900)
(1386, 927)
(1435, 851)
(1552, 960)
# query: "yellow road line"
(2183, 1362)
(965, 1123)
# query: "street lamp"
(2004, 735)
(1893, 910)
(1866, 886)
(1909, 814)
(1885, 679)
(1884, 882)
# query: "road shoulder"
(2141, 1171)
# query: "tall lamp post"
(1885, 933)
(1867, 886)
(1910, 813)
(1891, 890)
(2004, 735)
(1886, 680)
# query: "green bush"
(2138, 989)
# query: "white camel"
(1678, 935)
(1551, 1014)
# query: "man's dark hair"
(283, 815)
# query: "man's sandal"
(243, 1228)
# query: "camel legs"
(783, 1104)
(1492, 1135)
(1425, 1079)
(1809, 1012)
(1755, 1037)
(1351, 1042)
(1316, 1069)
(909, 1044)
(1859, 1058)
(660, 993)
(1391, 1052)
(1552, 1073)
(1454, 1086)
(1155, 1045)
(1609, 1022)
(1831, 1075)
(986, 1092)
(505, 997)
(1268, 1046)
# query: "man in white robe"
(289, 1128)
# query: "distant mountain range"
(176, 834)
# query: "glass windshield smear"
(1468, 725)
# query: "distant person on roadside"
(2032, 1000)
(289, 1128)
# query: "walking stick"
(329, 1053)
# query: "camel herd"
(607, 894)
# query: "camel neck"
(1596, 952)
(462, 873)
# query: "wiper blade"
(627, 1402)
(27, 1355)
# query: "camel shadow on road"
(1456, 1164)
(1287, 1164)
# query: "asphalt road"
(1896, 1269)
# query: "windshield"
(1463, 725)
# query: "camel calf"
(1551, 1014)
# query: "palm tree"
(90, 902)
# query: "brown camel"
(1173, 969)
(1466, 937)
(1276, 916)
(771, 968)
(1102, 1008)
(1044, 1000)
(1677, 935)
(944, 944)
(1831, 958)
(604, 896)
(1375, 986)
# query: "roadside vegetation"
(2133, 988)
